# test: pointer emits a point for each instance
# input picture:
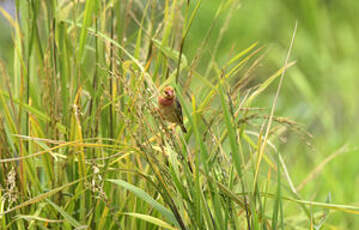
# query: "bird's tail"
(183, 128)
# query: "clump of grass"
(81, 128)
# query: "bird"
(170, 108)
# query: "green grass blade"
(147, 198)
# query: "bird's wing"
(179, 114)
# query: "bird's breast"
(165, 102)
(168, 112)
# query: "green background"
(321, 91)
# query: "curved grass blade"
(147, 198)
(150, 219)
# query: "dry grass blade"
(263, 144)
(40, 197)
(315, 172)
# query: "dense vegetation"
(269, 96)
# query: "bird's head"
(169, 93)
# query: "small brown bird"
(169, 107)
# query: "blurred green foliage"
(320, 91)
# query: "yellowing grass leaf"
(40, 197)
(150, 219)
(37, 218)
(267, 82)
(171, 53)
(344, 208)
(241, 54)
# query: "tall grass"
(82, 146)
